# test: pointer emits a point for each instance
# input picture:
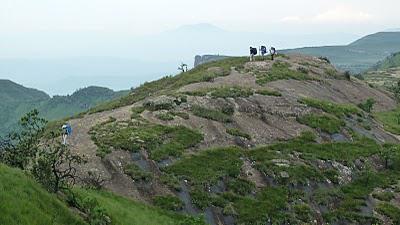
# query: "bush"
(231, 92)
(367, 105)
(268, 92)
(211, 114)
(238, 133)
(326, 123)
(241, 186)
(136, 173)
(390, 211)
(165, 116)
(338, 110)
(384, 196)
(168, 202)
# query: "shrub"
(165, 116)
(326, 123)
(268, 92)
(241, 186)
(367, 105)
(231, 92)
(390, 211)
(211, 114)
(338, 110)
(238, 133)
(136, 173)
(384, 196)
(280, 71)
(168, 202)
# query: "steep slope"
(24, 202)
(359, 55)
(17, 100)
(289, 141)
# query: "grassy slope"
(23, 201)
(126, 212)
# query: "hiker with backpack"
(253, 53)
(263, 50)
(272, 52)
(66, 131)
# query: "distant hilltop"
(198, 59)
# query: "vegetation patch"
(241, 186)
(336, 109)
(168, 202)
(166, 116)
(384, 196)
(367, 105)
(326, 123)
(238, 133)
(390, 120)
(281, 71)
(211, 114)
(23, 201)
(136, 173)
(221, 162)
(161, 141)
(232, 92)
(390, 211)
(269, 204)
(124, 211)
(268, 92)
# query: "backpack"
(69, 129)
(263, 49)
(254, 51)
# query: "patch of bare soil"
(111, 167)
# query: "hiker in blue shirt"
(66, 131)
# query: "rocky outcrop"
(198, 60)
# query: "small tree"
(387, 153)
(55, 167)
(19, 148)
(367, 105)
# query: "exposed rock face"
(198, 60)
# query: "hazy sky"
(143, 41)
(153, 16)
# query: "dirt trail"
(110, 167)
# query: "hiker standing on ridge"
(263, 51)
(66, 131)
(272, 52)
(253, 52)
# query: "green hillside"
(359, 55)
(23, 201)
(16, 100)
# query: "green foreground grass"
(23, 201)
(390, 120)
(123, 211)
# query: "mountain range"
(16, 100)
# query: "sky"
(62, 45)
(153, 16)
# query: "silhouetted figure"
(272, 52)
(253, 53)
